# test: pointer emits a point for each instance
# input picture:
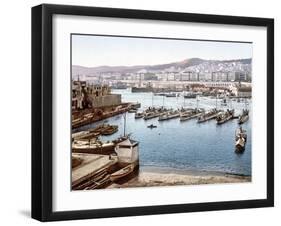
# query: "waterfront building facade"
(86, 95)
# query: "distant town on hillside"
(193, 69)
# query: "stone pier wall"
(106, 100)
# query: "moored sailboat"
(139, 115)
(169, 115)
(225, 116)
(208, 115)
(240, 140)
(244, 116)
(191, 114)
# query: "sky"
(92, 51)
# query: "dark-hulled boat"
(138, 115)
(189, 95)
(83, 146)
(136, 105)
(151, 126)
(110, 130)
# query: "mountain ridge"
(189, 62)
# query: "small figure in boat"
(151, 126)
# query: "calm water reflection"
(185, 145)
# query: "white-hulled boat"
(243, 117)
(138, 115)
(225, 116)
(190, 115)
(208, 115)
(169, 115)
(151, 115)
(240, 140)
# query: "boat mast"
(124, 124)
(216, 101)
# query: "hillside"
(192, 64)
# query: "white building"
(127, 152)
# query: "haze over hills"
(192, 64)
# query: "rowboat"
(110, 130)
(151, 126)
(122, 172)
(132, 110)
(190, 114)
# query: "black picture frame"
(42, 111)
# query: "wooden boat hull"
(239, 148)
(151, 116)
(122, 173)
(169, 117)
(189, 96)
(110, 149)
(207, 118)
(185, 118)
(225, 117)
(110, 131)
(219, 122)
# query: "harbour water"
(188, 145)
